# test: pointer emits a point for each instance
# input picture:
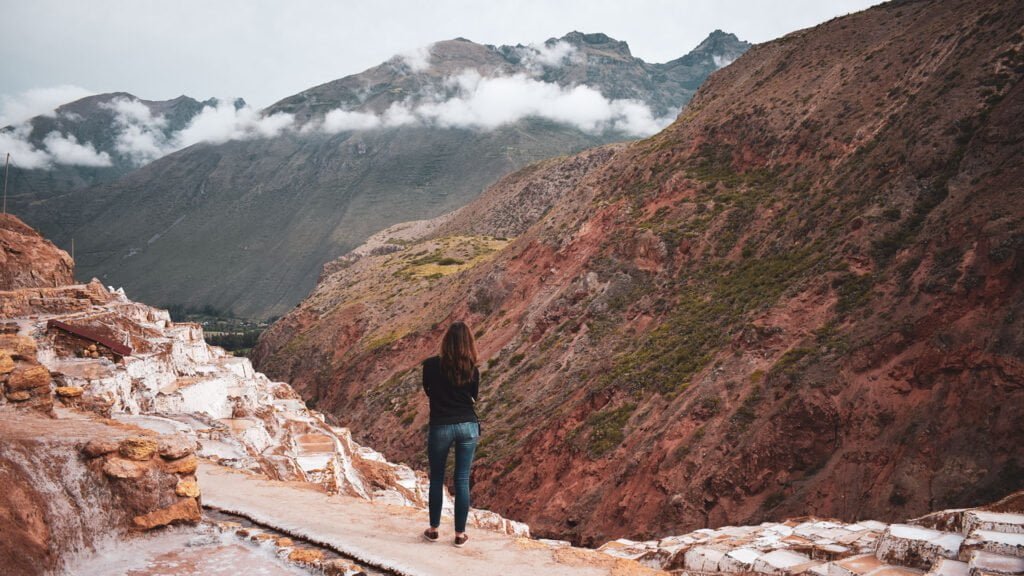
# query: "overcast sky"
(264, 50)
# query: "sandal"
(460, 540)
(431, 535)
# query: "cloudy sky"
(263, 50)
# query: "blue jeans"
(439, 440)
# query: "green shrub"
(607, 429)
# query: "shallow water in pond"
(191, 551)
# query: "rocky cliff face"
(247, 224)
(28, 260)
(804, 296)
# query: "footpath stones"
(306, 556)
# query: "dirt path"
(388, 537)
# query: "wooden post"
(7, 167)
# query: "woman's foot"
(431, 535)
(460, 540)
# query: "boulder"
(183, 511)
(284, 542)
(99, 447)
(28, 377)
(6, 362)
(306, 556)
(186, 465)
(340, 567)
(70, 391)
(124, 469)
(17, 346)
(176, 446)
(187, 488)
(19, 396)
(138, 448)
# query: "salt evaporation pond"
(192, 551)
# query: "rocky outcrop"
(803, 297)
(23, 381)
(65, 485)
(27, 260)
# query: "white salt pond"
(192, 551)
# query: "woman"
(451, 381)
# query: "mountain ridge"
(803, 296)
(245, 225)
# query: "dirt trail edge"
(388, 537)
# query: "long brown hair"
(458, 354)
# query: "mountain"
(97, 121)
(805, 296)
(245, 225)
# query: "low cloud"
(56, 149)
(417, 59)
(467, 100)
(37, 101)
(67, 150)
(223, 122)
(486, 103)
(141, 136)
(538, 56)
(345, 120)
(15, 142)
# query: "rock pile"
(23, 380)
(963, 542)
(70, 481)
(156, 465)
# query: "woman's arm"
(426, 386)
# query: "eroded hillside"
(803, 297)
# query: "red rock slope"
(803, 297)
(27, 260)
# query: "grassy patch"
(706, 309)
(607, 429)
(449, 255)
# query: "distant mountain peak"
(597, 40)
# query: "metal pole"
(7, 166)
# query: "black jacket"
(449, 404)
